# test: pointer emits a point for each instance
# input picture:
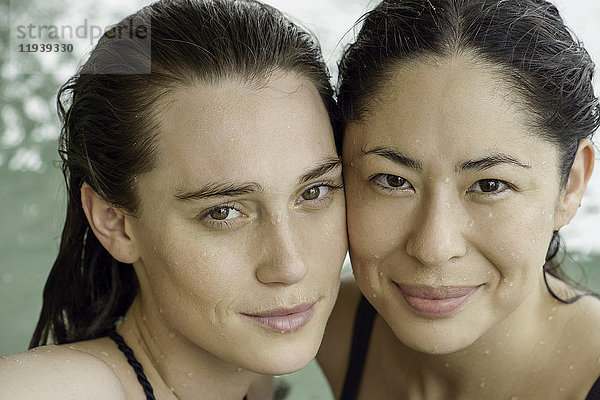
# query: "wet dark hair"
(524, 41)
(109, 127)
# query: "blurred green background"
(31, 188)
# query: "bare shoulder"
(334, 353)
(57, 372)
(581, 341)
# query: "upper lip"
(280, 312)
(436, 292)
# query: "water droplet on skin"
(514, 398)
(113, 366)
(472, 223)
(171, 335)
(376, 256)
(446, 365)
(172, 389)
(144, 318)
(190, 374)
(380, 273)
(490, 214)
(73, 347)
(482, 385)
(162, 356)
(160, 310)
(550, 318)
(105, 354)
(562, 389)
(446, 180)
(486, 351)
(352, 164)
(571, 366)
(374, 295)
(448, 206)
(417, 141)
(239, 369)
(510, 284)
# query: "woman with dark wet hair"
(467, 148)
(199, 255)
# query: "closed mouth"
(436, 301)
(284, 320)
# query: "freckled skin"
(437, 227)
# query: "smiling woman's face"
(242, 231)
(452, 201)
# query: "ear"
(108, 224)
(580, 174)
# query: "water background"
(31, 193)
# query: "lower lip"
(284, 323)
(437, 308)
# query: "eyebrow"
(489, 162)
(230, 189)
(220, 190)
(394, 156)
(320, 170)
(479, 164)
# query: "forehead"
(453, 107)
(232, 131)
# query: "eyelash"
(377, 179)
(320, 201)
(228, 223)
(503, 184)
(219, 224)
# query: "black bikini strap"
(137, 367)
(361, 335)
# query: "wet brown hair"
(108, 136)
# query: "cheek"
(187, 274)
(515, 240)
(373, 232)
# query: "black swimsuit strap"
(361, 335)
(137, 367)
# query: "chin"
(435, 339)
(281, 360)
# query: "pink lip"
(436, 301)
(285, 320)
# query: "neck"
(176, 366)
(492, 364)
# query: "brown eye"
(490, 185)
(219, 213)
(312, 193)
(395, 181)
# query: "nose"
(282, 261)
(437, 235)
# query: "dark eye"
(489, 186)
(395, 181)
(391, 182)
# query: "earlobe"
(108, 224)
(580, 174)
